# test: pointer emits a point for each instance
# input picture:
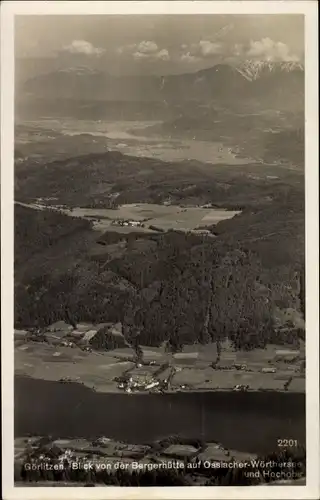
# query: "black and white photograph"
(159, 296)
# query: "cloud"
(147, 47)
(207, 48)
(200, 50)
(146, 50)
(269, 50)
(83, 47)
(163, 54)
(265, 49)
(190, 58)
(139, 56)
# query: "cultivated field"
(152, 216)
(260, 369)
(159, 216)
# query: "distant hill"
(266, 82)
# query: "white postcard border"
(309, 9)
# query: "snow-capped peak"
(252, 70)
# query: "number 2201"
(287, 442)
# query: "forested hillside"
(173, 286)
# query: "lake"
(127, 137)
(250, 422)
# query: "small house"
(269, 370)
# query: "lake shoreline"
(115, 390)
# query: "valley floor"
(194, 369)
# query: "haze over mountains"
(274, 82)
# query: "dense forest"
(172, 286)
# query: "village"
(99, 357)
(127, 223)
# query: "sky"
(155, 44)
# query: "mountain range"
(275, 83)
(254, 70)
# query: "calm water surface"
(244, 421)
(119, 136)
